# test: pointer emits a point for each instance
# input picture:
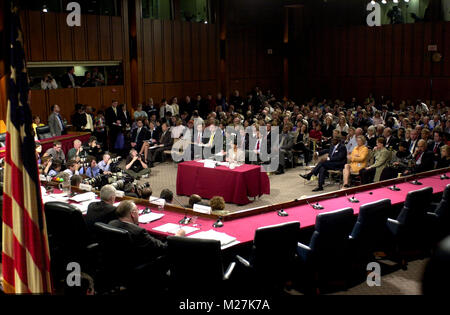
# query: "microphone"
(281, 212)
(416, 182)
(218, 223)
(315, 206)
(352, 199)
(394, 188)
(444, 176)
(185, 220)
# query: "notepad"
(150, 217)
(173, 228)
(84, 197)
(224, 238)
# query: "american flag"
(25, 251)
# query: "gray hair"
(107, 193)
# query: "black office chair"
(410, 227)
(43, 132)
(370, 232)
(118, 270)
(326, 259)
(440, 218)
(196, 267)
(436, 276)
(69, 239)
(273, 257)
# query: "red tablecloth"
(233, 185)
(66, 141)
(244, 229)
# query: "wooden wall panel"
(438, 40)
(196, 54)
(79, 41)
(387, 49)
(35, 35)
(90, 96)
(213, 55)
(173, 89)
(187, 52)
(418, 49)
(65, 98)
(446, 51)
(407, 49)
(112, 92)
(93, 41)
(65, 38)
(155, 91)
(178, 50)
(105, 38)
(118, 42)
(427, 41)
(370, 51)
(204, 54)
(158, 74)
(397, 49)
(167, 50)
(51, 43)
(38, 104)
(148, 53)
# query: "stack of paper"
(173, 228)
(150, 217)
(224, 239)
(55, 197)
(83, 206)
(84, 197)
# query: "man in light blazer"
(55, 122)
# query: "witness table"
(66, 141)
(235, 186)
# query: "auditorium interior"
(263, 148)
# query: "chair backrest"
(275, 246)
(43, 132)
(331, 232)
(443, 209)
(371, 223)
(437, 275)
(194, 261)
(415, 208)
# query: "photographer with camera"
(77, 152)
(135, 166)
(55, 165)
(92, 170)
(94, 148)
(105, 163)
(48, 82)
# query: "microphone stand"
(185, 220)
(352, 199)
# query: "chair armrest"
(243, 261)
(393, 225)
(303, 251)
(92, 246)
(303, 246)
(229, 271)
(432, 215)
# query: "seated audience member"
(55, 167)
(235, 155)
(436, 145)
(92, 170)
(380, 159)
(48, 82)
(94, 148)
(315, 132)
(146, 248)
(358, 160)
(99, 126)
(145, 193)
(72, 168)
(139, 135)
(391, 141)
(103, 210)
(286, 143)
(56, 152)
(371, 137)
(167, 195)
(217, 205)
(165, 143)
(399, 163)
(105, 163)
(76, 180)
(352, 135)
(177, 130)
(45, 166)
(36, 123)
(76, 152)
(301, 140)
(139, 113)
(337, 157)
(194, 199)
(135, 166)
(444, 160)
(38, 151)
(423, 158)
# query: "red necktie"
(257, 146)
(418, 156)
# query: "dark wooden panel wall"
(391, 60)
(177, 59)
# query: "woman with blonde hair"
(358, 160)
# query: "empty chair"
(440, 218)
(273, 256)
(326, 257)
(409, 229)
(436, 277)
(43, 132)
(196, 266)
(68, 238)
(118, 269)
(370, 232)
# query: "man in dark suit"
(165, 143)
(412, 143)
(69, 79)
(102, 211)
(286, 144)
(423, 157)
(139, 135)
(391, 141)
(436, 145)
(146, 248)
(113, 122)
(79, 119)
(337, 157)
